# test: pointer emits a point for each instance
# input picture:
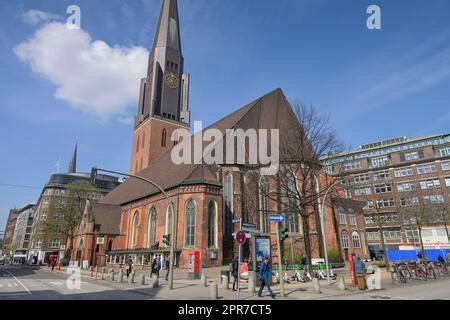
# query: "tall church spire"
(73, 162)
(162, 92)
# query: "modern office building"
(405, 183)
(22, 232)
(55, 188)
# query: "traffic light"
(283, 233)
(166, 240)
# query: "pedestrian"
(250, 263)
(304, 263)
(360, 269)
(441, 259)
(167, 267)
(158, 266)
(53, 263)
(264, 277)
(419, 258)
(153, 267)
(235, 273)
(129, 266)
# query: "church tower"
(164, 96)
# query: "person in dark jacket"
(235, 273)
(167, 267)
(53, 264)
(360, 269)
(128, 266)
(264, 277)
(153, 267)
(158, 266)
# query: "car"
(2, 262)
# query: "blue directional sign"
(277, 217)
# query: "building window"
(212, 218)
(403, 172)
(379, 162)
(406, 202)
(373, 235)
(137, 144)
(54, 243)
(352, 217)
(430, 184)
(38, 244)
(434, 199)
(383, 188)
(356, 240)
(381, 175)
(43, 216)
(386, 203)
(289, 202)
(134, 229)
(445, 166)
(444, 152)
(342, 217)
(363, 191)
(152, 228)
(351, 166)
(447, 182)
(143, 140)
(392, 234)
(361, 178)
(190, 224)
(228, 203)
(344, 240)
(264, 205)
(164, 138)
(412, 156)
(406, 186)
(427, 168)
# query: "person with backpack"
(264, 277)
(235, 273)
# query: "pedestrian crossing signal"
(166, 240)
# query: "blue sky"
(374, 84)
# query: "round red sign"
(240, 237)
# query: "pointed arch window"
(164, 138)
(134, 229)
(344, 240)
(152, 228)
(212, 220)
(190, 224)
(289, 201)
(228, 203)
(356, 240)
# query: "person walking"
(129, 266)
(360, 269)
(235, 273)
(304, 263)
(167, 267)
(158, 266)
(264, 277)
(53, 264)
(153, 267)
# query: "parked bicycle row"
(303, 274)
(411, 270)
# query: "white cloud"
(35, 17)
(90, 75)
(125, 120)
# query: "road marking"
(29, 292)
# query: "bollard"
(111, 275)
(225, 283)
(213, 292)
(203, 281)
(154, 282)
(251, 281)
(341, 284)
(102, 274)
(121, 275)
(316, 285)
(142, 279)
(96, 272)
(131, 278)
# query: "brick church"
(134, 217)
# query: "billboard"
(262, 248)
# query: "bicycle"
(397, 274)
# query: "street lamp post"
(169, 206)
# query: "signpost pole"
(280, 264)
(239, 263)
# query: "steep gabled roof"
(107, 216)
(272, 111)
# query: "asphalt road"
(26, 283)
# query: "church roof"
(107, 216)
(271, 111)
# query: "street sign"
(277, 217)
(237, 221)
(100, 240)
(241, 237)
(62, 247)
(249, 225)
(251, 230)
